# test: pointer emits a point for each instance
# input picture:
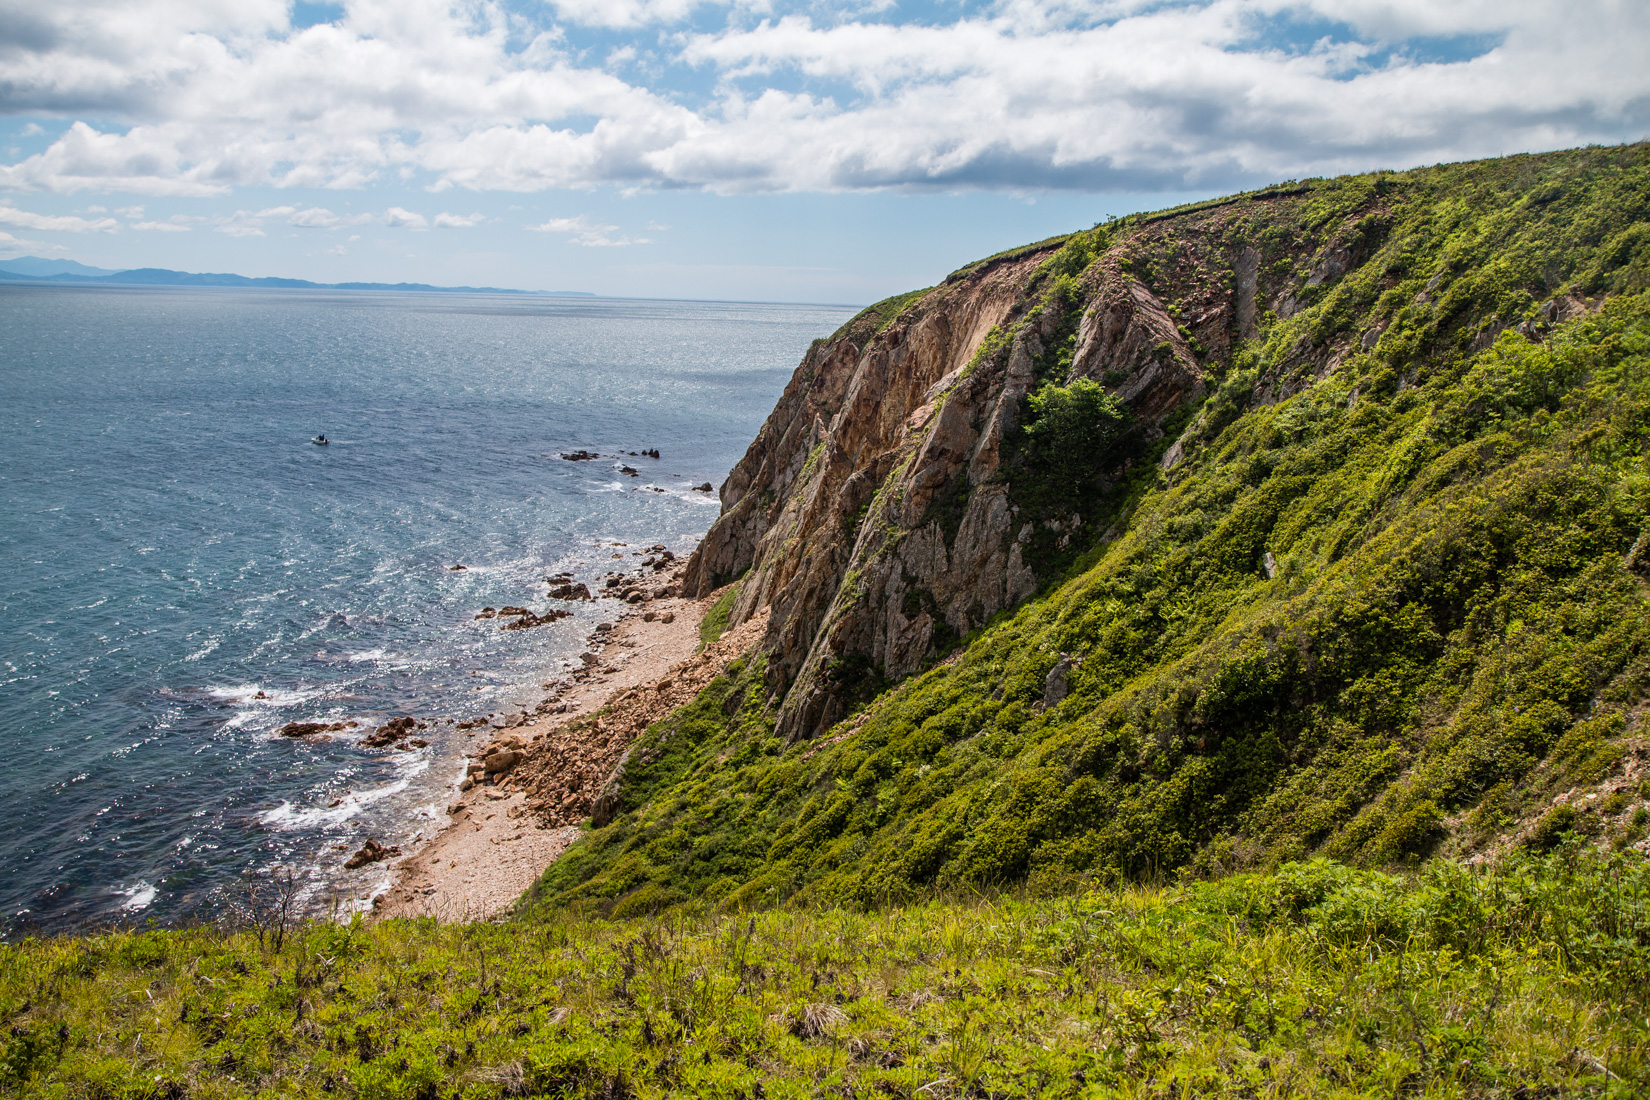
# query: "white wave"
(366, 655)
(289, 818)
(138, 896)
(249, 695)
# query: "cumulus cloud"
(628, 13)
(19, 246)
(169, 226)
(249, 223)
(57, 223)
(200, 97)
(585, 231)
(397, 218)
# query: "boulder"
(1057, 684)
(570, 592)
(523, 619)
(501, 761)
(389, 733)
(310, 729)
(371, 852)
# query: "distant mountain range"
(33, 269)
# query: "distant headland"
(33, 270)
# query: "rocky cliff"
(881, 513)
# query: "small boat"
(320, 441)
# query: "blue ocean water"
(184, 572)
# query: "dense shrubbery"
(1315, 980)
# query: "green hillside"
(1315, 768)
(1380, 609)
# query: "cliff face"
(877, 512)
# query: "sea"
(183, 572)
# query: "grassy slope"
(1313, 981)
(1451, 636)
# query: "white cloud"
(170, 226)
(319, 217)
(206, 96)
(55, 223)
(397, 218)
(21, 247)
(582, 230)
(627, 13)
(445, 220)
(313, 218)
(247, 223)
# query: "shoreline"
(506, 828)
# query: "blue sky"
(751, 149)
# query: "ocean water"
(184, 572)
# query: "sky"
(762, 150)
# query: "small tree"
(1073, 423)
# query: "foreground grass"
(1313, 980)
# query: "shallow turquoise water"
(174, 545)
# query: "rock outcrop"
(878, 513)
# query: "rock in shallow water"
(371, 852)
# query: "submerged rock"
(310, 729)
(523, 619)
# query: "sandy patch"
(504, 831)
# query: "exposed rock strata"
(843, 516)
